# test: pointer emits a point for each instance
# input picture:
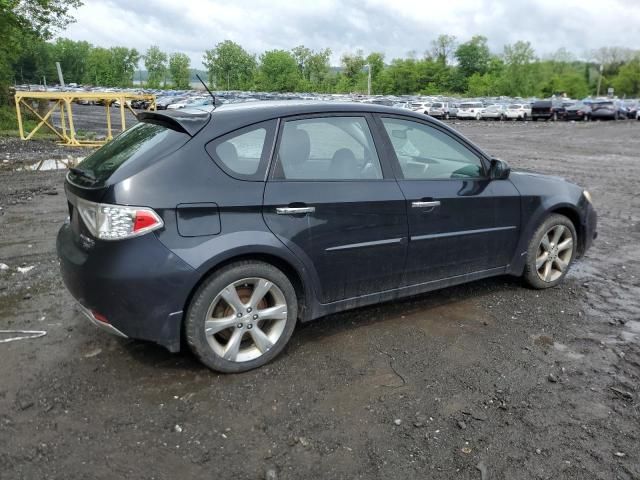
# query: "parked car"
(163, 102)
(494, 112)
(421, 107)
(578, 111)
(470, 110)
(632, 108)
(191, 102)
(226, 228)
(548, 110)
(441, 110)
(607, 110)
(518, 111)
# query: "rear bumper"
(138, 285)
(107, 327)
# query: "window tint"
(243, 153)
(143, 139)
(425, 153)
(331, 148)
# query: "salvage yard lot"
(487, 376)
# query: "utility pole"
(599, 81)
(60, 78)
(368, 65)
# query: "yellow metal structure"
(63, 101)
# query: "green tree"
(442, 48)
(352, 73)
(375, 60)
(179, 70)
(72, 56)
(155, 61)
(317, 68)
(23, 19)
(473, 56)
(627, 82)
(278, 72)
(123, 63)
(518, 78)
(230, 66)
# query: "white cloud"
(393, 28)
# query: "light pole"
(599, 82)
(368, 65)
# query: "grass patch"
(9, 124)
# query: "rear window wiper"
(83, 173)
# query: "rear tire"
(551, 251)
(250, 328)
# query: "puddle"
(53, 164)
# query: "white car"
(421, 107)
(187, 102)
(471, 110)
(494, 112)
(518, 111)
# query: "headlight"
(587, 195)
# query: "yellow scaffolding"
(63, 101)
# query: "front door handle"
(421, 204)
(294, 210)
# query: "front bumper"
(138, 285)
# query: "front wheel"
(551, 250)
(241, 317)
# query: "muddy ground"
(484, 381)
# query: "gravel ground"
(483, 381)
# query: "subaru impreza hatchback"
(226, 227)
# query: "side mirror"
(499, 169)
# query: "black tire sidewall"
(530, 272)
(196, 313)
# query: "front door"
(460, 221)
(333, 203)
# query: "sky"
(394, 28)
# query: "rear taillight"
(117, 222)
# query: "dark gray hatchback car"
(225, 228)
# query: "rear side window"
(327, 148)
(244, 153)
(143, 139)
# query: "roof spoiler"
(189, 122)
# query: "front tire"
(241, 317)
(551, 251)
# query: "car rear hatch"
(157, 135)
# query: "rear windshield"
(471, 105)
(144, 139)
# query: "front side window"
(243, 154)
(426, 153)
(329, 148)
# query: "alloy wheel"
(554, 253)
(246, 319)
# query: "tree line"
(446, 66)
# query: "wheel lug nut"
(249, 310)
(249, 326)
(239, 325)
(255, 317)
(239, 314)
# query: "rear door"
(460, 221)
(337, 206)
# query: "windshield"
(143, 138)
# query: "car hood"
(525, 173)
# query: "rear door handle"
(422, 204)
(294, 210)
